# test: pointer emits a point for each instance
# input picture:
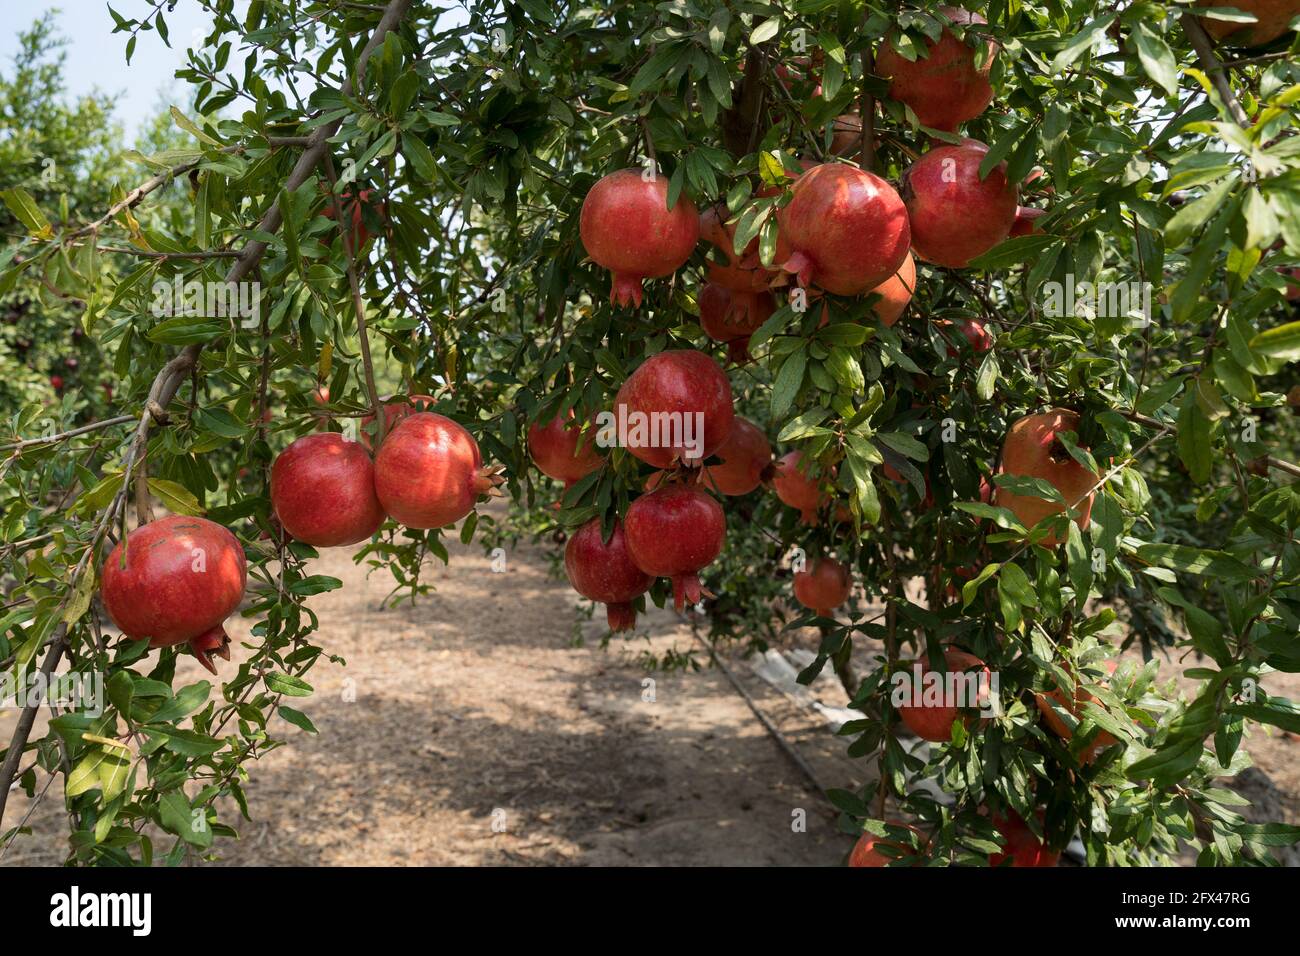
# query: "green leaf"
(1181, 557)
(1281, 342)
(24, 208)
(176, 497)
(297, 718)
(1194, 439)
(288, 685)
(1156, 58)
(788, 381)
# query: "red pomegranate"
(1021, 847)
(973, 330)
(353, 210)
(394, 411)
(746, 458)
(1272, 19)
(933, 720)
(627, 227)
(845, 230)
(895, 292)
(323, 491)
(824, 587)
(182, 578)
(797, 488)
(732, 317)
(429, 472)
(603, 571)
(554, 448)
(56, 382)
(683, 384)
(1074, 707)
(1031, 449)
(846, 134)
(865, 853)
(955, 215)
(943, 86)
(1026, 220)
(673, 532)
(743, 273)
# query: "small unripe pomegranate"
(845, 230)
(182, 577)
(824, 587)
(797, 488)
(943, 86)
(933, 721)
(1031, 448)
(746, 457)
(560, 449)
(740, 273)
(732, 317)
(323, 491)
(627, 227)
(603, 571)
(394, 412)
(895, 292)
(429, 472)
(1021, 847)
(955, 215)
(673, 532)
(974, 331)
(682, 384)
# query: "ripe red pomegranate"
(955, 215)
(933, 721)
(1074, 707)
(323, 491)
(943, 86)
(895, 292)
(746, 460)
(673, 532)
(429, 472)
(1026, 220)
(554, 447)
(1021, 847)
(1031, 449)
(1272, 19)
(797, 488)
(865, 853)
(681, 383)
(824, 587)
(845, 230)
(603, 571)
(394, 412)
(743, 273)
(732, 317)
(56, 382)
(976, 334)
(846, 134)
(182, 578)
(627, 227)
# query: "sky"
(96, 57)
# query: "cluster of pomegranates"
(179, 578)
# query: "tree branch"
(1212, 67)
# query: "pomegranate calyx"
(211, 643)
(621, 616)
(489, 478)
(625, 290)
(800, 266)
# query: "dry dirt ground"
(474, 729)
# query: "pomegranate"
(182, 577)
(321, 395)
(673, 532)
(429, 472)
(323, 491)
(746, 459)
(743, 273)
(554, 448)
(955, 215)
(603, 571)
(846, 134)
(865, 853)
(823, 588)
(1031, 449)
(731, 317)
(933, 720)
(394, 412)
(56, 382)
(943, 87)
(1026, 221)
(845, 230)
(798, 488)
(1021, 847)
(895, 292)
(353, 210)
(667, 400)
(1074, 708)
(627, 227)
(1272, 19)
(974, 331)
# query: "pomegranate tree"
(731, 317)
(323, 491)
(943, 86)
(955, 215)
(673, 532)
(603, 571)
(845, 230)
(671, 394)
(627, 228)
(561, 450)
(176, 581)
(429, 472)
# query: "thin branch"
(867, 108)
(1212, 67)
(73, 433)
(1278, 464)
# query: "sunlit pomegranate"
(429, 472)
(323, 491)
(1031, 449)
(932, 717)
(603, 571)
(943, 86)
(823, 587)
(673, 532)
(561, 450)
(667, 399)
